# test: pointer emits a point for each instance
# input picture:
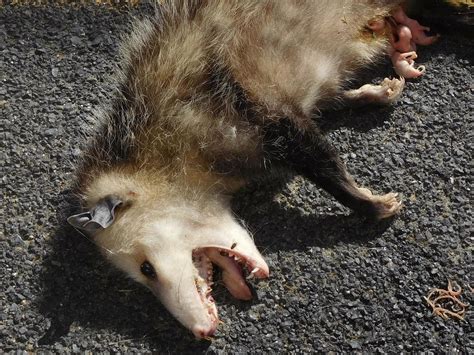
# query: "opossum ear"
(100, 216)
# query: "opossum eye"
(147, 269)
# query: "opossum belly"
(290, 83)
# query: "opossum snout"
(200, 331)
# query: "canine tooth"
(254, 270)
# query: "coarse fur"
(212, 93)
(204, 83)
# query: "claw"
(386, 205)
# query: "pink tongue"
(231, 274)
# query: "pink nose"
(200, 331)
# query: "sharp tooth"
(255, 270)
(250, 277)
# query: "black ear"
(100, 216)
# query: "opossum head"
(167, 240)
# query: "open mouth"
(203, 282)
(236, 268)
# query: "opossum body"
(211, 94)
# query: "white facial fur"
(166, 237)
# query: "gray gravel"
(337, 283)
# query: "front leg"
(310, 154)
(386, 93)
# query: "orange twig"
(445, 303)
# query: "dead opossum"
(211, 94)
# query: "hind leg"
(386, 93)
(311, 154)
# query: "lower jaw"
(203, 284)
(207, 330)
(204, 260)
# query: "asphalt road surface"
(337, 283)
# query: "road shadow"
(81, 289)
(277, 227)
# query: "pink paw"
(404, 65)
(385, 206)
(402, 41)
(418, 32)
